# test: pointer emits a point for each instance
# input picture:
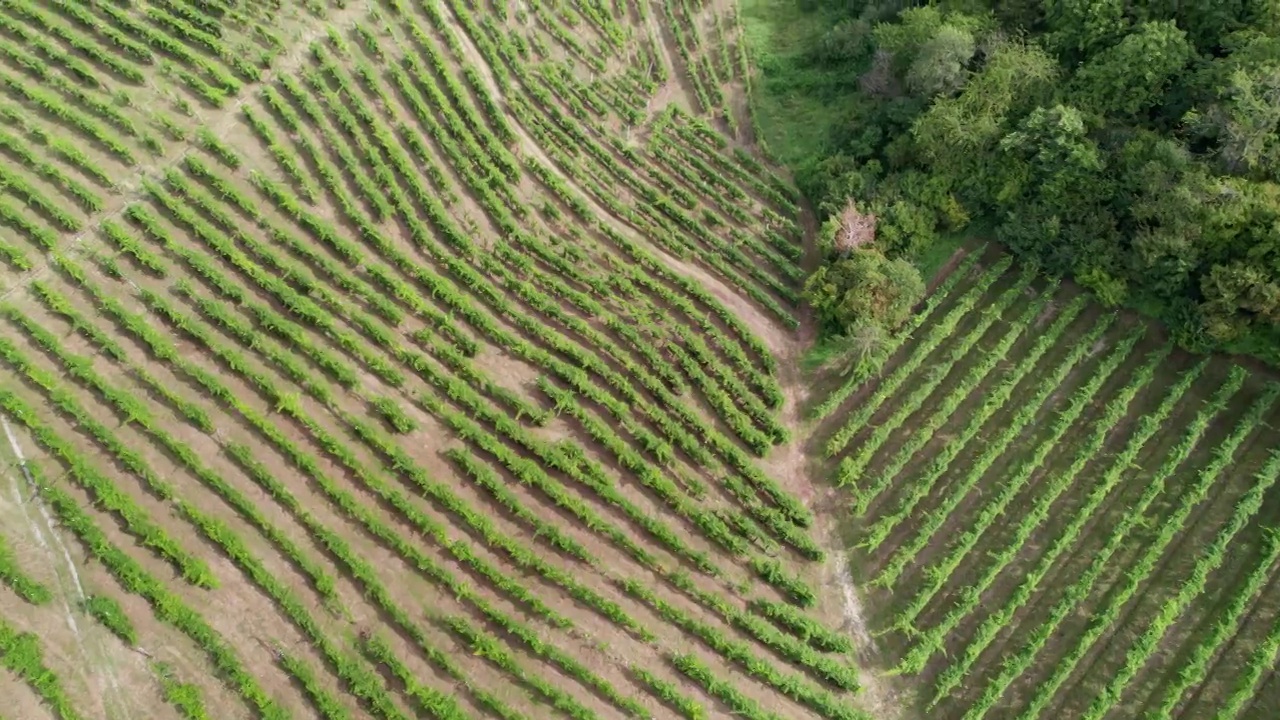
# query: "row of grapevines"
(35, 66)
(938, 333)
(497, 653)
(162, 42)
(688, 49)
(180, 28)
(701, 138)
(996, 622)
(479, 522)
(60, 306)
(671, 495)
(185, 697)
(742, 395)
(22, 654)
(87, 46)
(435, 703)
(127, 406)
(83, 17)
(1081, 587)
(648, 264)
(851, 467)
(168, 606)
(519, 554)
(107, 611)
(380, 530)
(53, 105)
(738, 653)
(658, 217)
(33, 198)
(656, 481)
(723, 403)
(492, 483)
(536, 477)
(77, 68)
(217, 532)
(101, 488)
(299, 305)
(493, 144)
(288, 161)
(1261, 661)
(1208, 561)
(39, 134)
(18, 581)
(163, 349)
(937, 574)
(1196, 666)
(670, 695)
(562, 660)
(791, 586)
(940, 463)
(993, 449)
(806, 629)
(833, 671)
(339, 275)
(724, 691)
(126, 243)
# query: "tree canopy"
(1129, 144)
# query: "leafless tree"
(856, 229)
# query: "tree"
(939, 67)
(1237, 293)
(854, 229)
(1015, 74)
(1079, 28)
(1133, 75)
(1242, 120)
(1134, 146)
(862, 348)
(1062, 160)
(864, 287)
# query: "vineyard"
(1053, 514)
(399, 359)
(440, 359)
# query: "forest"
(1129, 145)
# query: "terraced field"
(399, 359)
(440, 359)
(1056, 515)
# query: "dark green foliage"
(1132, 146)
(864, 286)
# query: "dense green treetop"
(1129, 144)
